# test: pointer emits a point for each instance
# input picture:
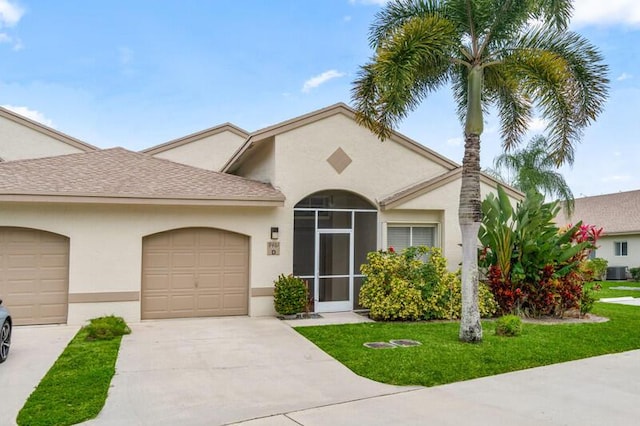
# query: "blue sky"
(137, 73)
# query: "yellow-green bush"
(400, 286)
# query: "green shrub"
(106, 328)
(531, 265)
(509, 325)
(588, 298)
(289, 295)
(401, 286)
(443, 292)
(635, 274)
(596, 269)
(392, 289)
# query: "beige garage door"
(34, 275)
(194, 272)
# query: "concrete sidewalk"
(595, 391)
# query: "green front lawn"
(606, 291)
(443, 359)
(75, 387)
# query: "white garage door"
(195, 272)
(34, 275)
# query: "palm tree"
(514, 55)
(532, 168)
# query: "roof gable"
(119, 175)
(175, 143)
(424, 187)
(45, 130)
(260, 136)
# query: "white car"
(5, 332)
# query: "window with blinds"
(401, 237)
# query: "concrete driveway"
(212, 371)
(33, 351)
(260, 372)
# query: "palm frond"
(396, 14)
(514, 107)
(414, 61)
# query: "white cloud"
(597, 12)
(346, 18)
(10, 13)
(537, 125)
(7, 39)
(624, 76)
(30, 114)
(317, 80)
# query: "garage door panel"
(183, 238)
(234, 302)
(156, 259)
(53, 261)
(213, 239)
(182, 303)
(181, 259)
(19, 260)
(195, 273)
(154, 303)
(158, 240)
(235, 260)
(34, 275)
(210, 280)
(210, 260)
(54, 274)
(157, 282)
(234, 280)
(210, 303)
(234, 240)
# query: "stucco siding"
(210, 152)
(606, 250)
(19, 142)
(106, 245)
(261, 165)
(377, 168)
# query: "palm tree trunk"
(470, 216)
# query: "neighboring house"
(619, 216)
(186, 229)
(21, 138)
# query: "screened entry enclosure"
(333, 232)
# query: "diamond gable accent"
(339, 160)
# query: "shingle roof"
(123, 174)
(617, 213)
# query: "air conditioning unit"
(617, 273)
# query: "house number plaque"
(273, 248)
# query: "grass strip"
(442, 358)
(75, 387)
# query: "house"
(22, 138)
(619, 216)
(203, 225)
